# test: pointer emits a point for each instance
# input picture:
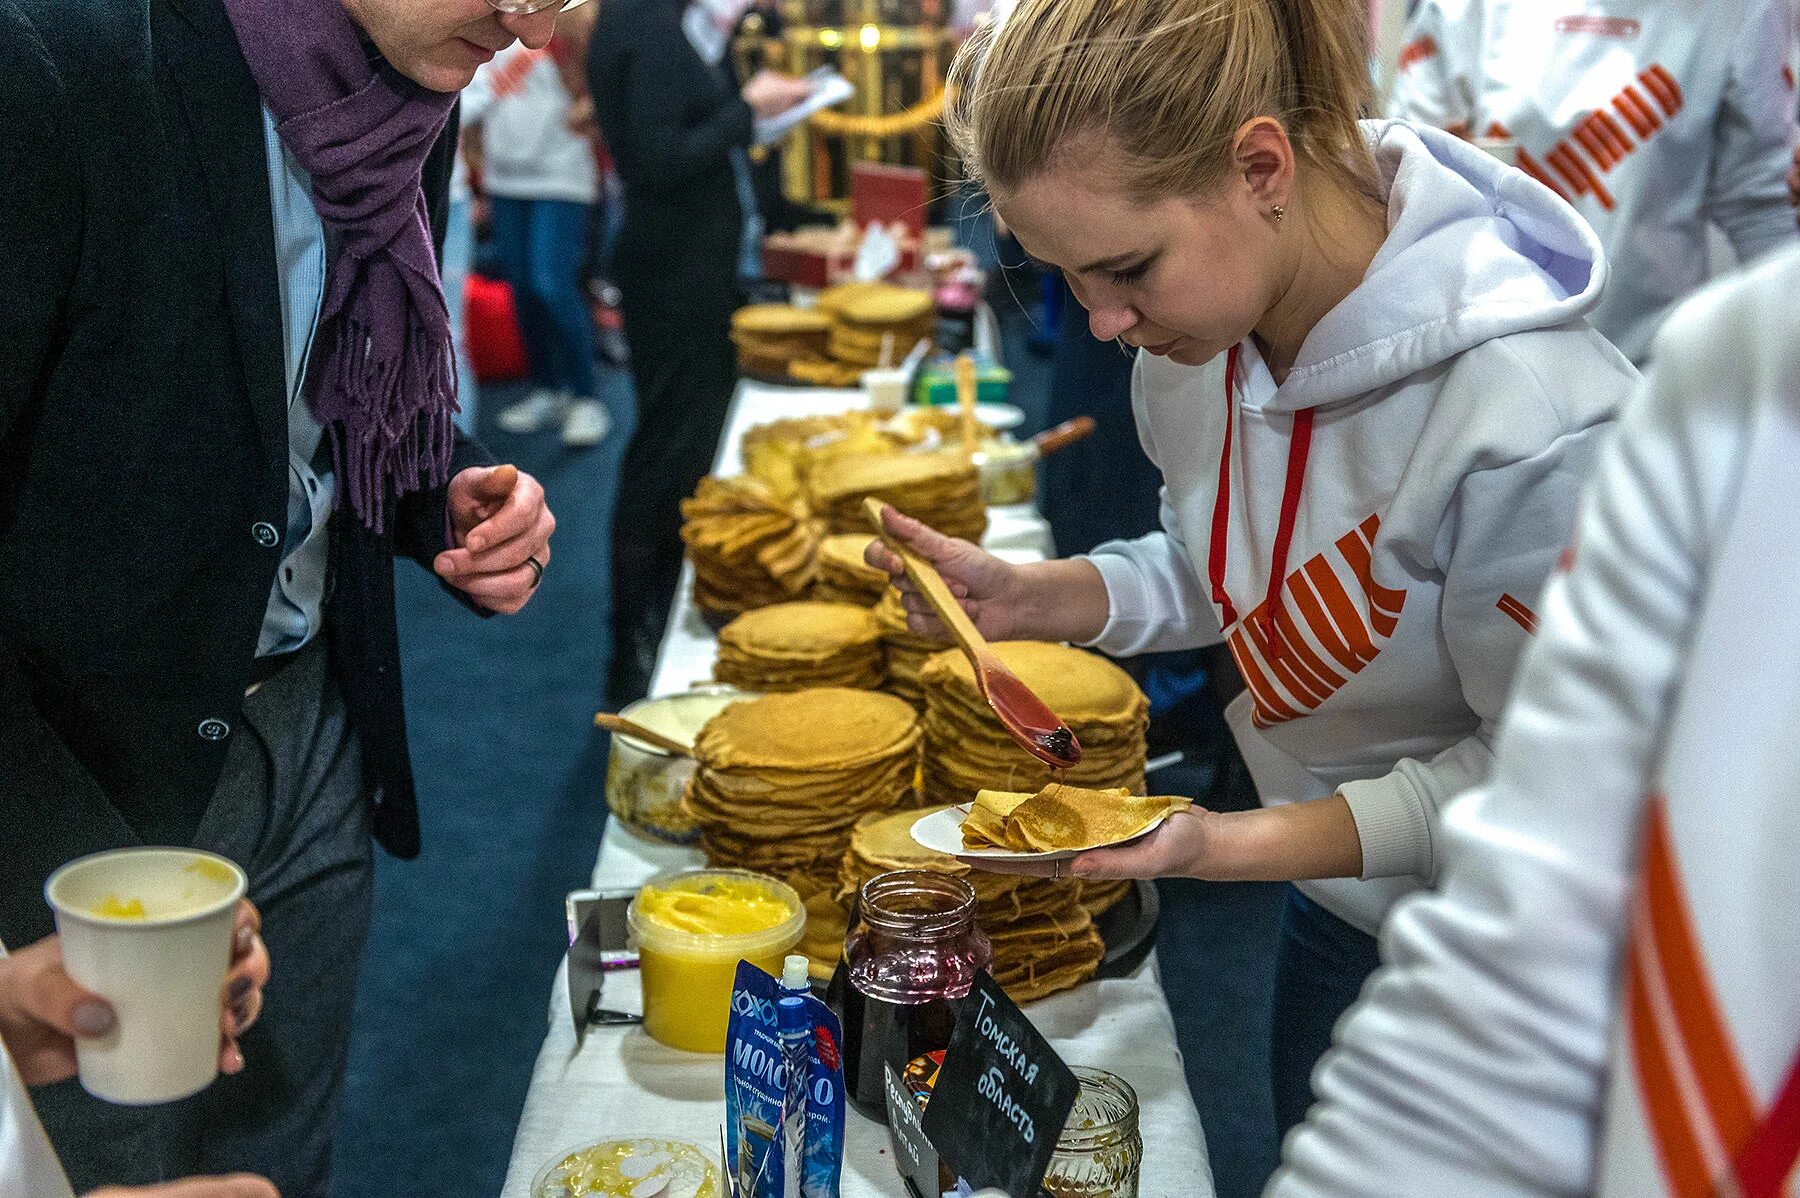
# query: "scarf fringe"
(385, 441)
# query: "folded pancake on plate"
(1061, 817)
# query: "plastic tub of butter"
(644, 783)
(691, 929)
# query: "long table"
(621, 1082)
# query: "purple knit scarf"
(383, 374)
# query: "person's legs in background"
(558, 245)
(459, 253)
(1320, 968)
(684, 371)
(512, 222)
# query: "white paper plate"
(941, 832)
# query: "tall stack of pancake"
(844, 576)
(792, 646)
(783, 778)
(862, 315)
(943, 489)
(1044, 937)
(750, 548)
(966, 749)
(771, 337)
(906, 652)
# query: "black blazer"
(670, 121)
(143, 443)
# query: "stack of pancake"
(1044, 937)
(906, 651)
(792, 646)
(770, 337)
(843, 576)
(750, 548)
(863, 314)
(783, 778)
(782, 452)
(966, 749)
(943, 489)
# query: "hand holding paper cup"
(150, 931)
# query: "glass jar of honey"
(1099, 1151)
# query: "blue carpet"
(466, 939)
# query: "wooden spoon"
(966, 390)
(1025, 717)
(636, 731)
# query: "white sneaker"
(537, 410)
(587, 424)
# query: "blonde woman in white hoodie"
(1366, 379)
(1601, 998)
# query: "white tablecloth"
(622, 1082)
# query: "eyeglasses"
(525, 8)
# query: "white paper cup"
(886, 389)
(162, 973)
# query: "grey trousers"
(290, 809)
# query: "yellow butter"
(114, 907)
(726, 908)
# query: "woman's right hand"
(770, 93)
(988, 588)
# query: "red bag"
(496, 351)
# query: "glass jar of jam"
(1099, 1151)
(910, 959)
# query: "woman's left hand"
(42, 1010)
(1186, 845)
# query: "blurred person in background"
(1599, 997)
(672, 121)
(226, 401)
(1655, 118)
(43, 1013)
(539, 173)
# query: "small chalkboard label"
(913, 1153)
(1002, 1097)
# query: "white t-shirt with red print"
(1652, 117)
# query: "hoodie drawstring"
(1299, 446)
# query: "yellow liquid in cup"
(692, 932)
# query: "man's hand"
(42, 1010)
(238, 1185)
(499, 523)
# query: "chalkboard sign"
(1002, 1097)
(913, 1153)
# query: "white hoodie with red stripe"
(1602, 998)
(1455, 400)
(1653, 117)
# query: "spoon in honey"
(1026, 718)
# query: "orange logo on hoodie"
(1335, 623)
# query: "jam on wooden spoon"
(1025, 717)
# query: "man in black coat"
(197, 645)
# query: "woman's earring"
(1278, 212)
